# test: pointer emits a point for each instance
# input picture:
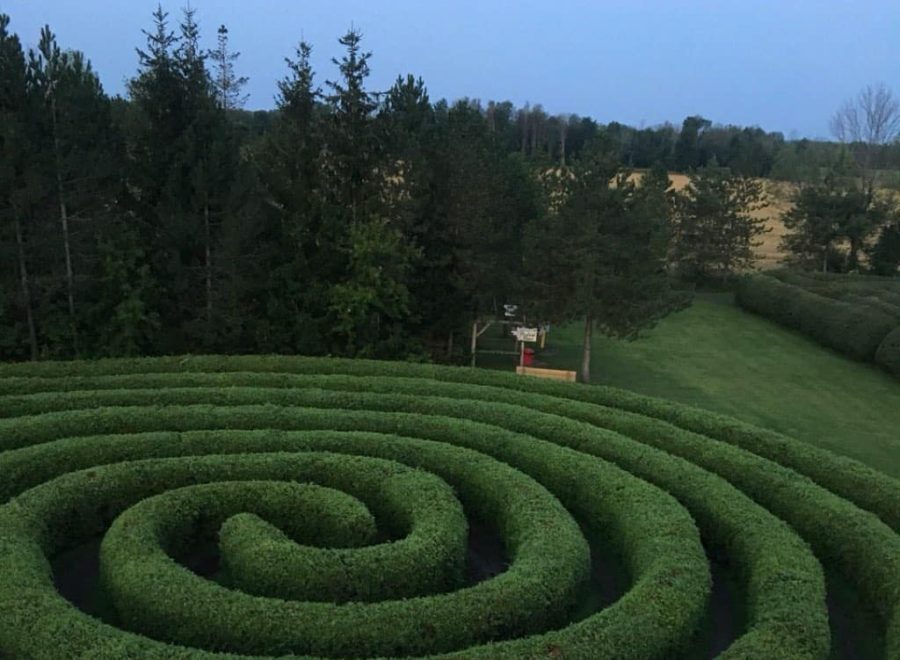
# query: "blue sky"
(783, 65)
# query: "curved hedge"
(853, 329)
(337, 493)
(888, 354)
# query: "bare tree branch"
(867, 121)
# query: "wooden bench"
(556, 374)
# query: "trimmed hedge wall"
(672, 579)
(83, 446)
(854, 330)
(888, 355)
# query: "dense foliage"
(156, 454)
(854, 314)
(345, 221)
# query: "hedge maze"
(857, 315)
(272, 507)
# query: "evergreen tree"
(366, 312)
(302, 256)
(228, 85)
(825, 212)
(715, 227)
(14, 162)
(688, 154)
(885, 254)
(351, 148)
(602, 259)
(483, 199)
(76, 156)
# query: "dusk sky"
(782, 65)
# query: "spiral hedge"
(340, 497)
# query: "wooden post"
(474, 340)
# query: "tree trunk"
(64, 220)
(26, 291)
(853, 258)
(825, 259)
(562, 144)
(586, 351)
(524, 132)
(450, 346)
(208, 263)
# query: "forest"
(367, 223)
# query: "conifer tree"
(351, 150)
(716, 230)
(14, 157)
(76, 156)
(229, 86)
(602, 259)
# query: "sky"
(783, 65)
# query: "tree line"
(344, 222)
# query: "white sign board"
(525, 334)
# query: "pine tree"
(828, 211)
(76, 154)
(14, 158)
(351, 149)
(602, 259)
(302, 258)
(716, 230)
(885, 254)
(228, 85)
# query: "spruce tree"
(301, 257)
(76, 156)
(229, 86)
(351, 148)
(716, 230)
(602, 259)
(14, 162)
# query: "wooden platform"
(556, 374)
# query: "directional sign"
(525, 334)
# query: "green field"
(716, 356)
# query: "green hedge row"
(868, 488)
(888, 355)
(854, 330)
(155, 595)
(784, 580)
(312, 515)
(881, 294)
(689, 430)
(672, 578)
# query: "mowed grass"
(716, 356)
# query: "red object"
(528, 358)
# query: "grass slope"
(716, 356)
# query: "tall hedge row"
(131, 442)
(659, 539)
(888, 354)
(852, 329)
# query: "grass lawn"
(716, 356)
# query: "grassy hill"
(716, 356)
